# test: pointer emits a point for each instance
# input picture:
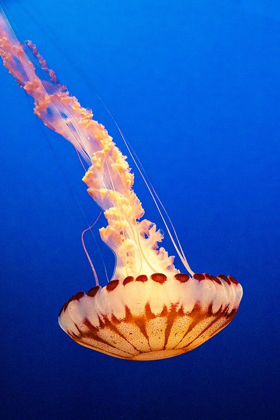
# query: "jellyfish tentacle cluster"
(108, 177)
(148, 310)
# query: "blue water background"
(195, 87)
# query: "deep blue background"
(195, 87)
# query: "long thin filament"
(85, 249)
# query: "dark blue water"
(195, 87)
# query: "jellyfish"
(149, 310)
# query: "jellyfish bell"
(149, 310)
(151, 317)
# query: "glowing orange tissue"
(149, 310)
